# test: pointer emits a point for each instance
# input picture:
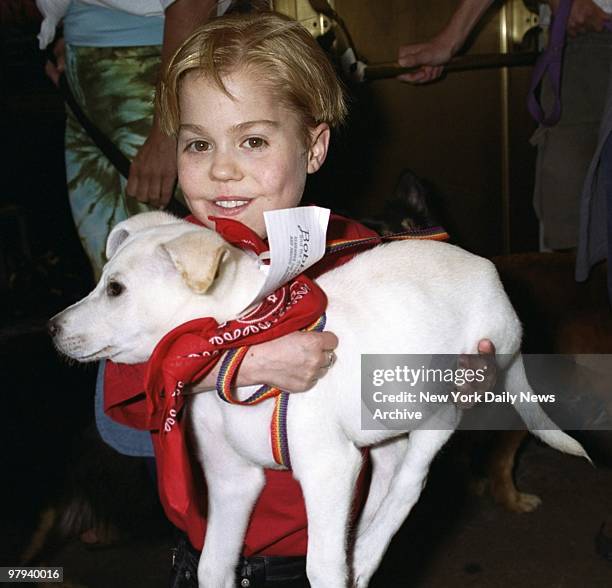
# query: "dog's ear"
(136, 223)
(197, 255)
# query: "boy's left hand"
(485, 360)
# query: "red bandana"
(189, 352)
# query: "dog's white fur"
(405, 297)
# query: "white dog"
(419, 297)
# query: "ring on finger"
(331, 358)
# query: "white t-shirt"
(54, 10)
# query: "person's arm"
(585, 16)
(292, 363)
(153, 171)
(54, 69)
(433, 54)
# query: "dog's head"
(158, 267)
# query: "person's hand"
(153, 171)
(55, 70)
(485, 361)
(435, 53)
(292, 363)
(431, 56)
(585, 16)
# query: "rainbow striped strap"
(318, 325)
(430, 233)
(278, 427)
(278, 431)
(227, 373)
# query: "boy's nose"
(225, 167)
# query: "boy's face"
(241, 156)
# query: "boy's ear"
(319, 142)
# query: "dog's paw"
(511, 499)
(361, 579)
(519, 502)
(209, 581)
(211, 577)
(524, 502)
(364, 565)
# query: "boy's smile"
(239, 156)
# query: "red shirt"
(278, 522)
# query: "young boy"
(252, 100)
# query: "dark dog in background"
(411, 207)
(560, 316)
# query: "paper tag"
(297, 239)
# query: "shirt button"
(245, 583)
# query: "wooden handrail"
(379, 71)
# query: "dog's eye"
(114, 288)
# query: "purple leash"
(550, 62)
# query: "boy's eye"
(254, 143)
(199, 146)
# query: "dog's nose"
(53, 328)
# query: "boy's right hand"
(292, 363)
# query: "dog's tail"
(535, 418)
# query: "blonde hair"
(278, 50)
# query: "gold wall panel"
(467, 133)
(302, 11)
